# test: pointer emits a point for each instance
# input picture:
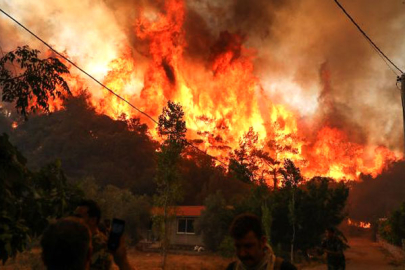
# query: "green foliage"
(393, 229)
(318, 204)
(227, 247)
(319, 201)
(120, 203)
(214, 221)
(29, 199)
(34, 80)
(267, 220)
(172, 129)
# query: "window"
(185, 226)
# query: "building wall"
(183, 239)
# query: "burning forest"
(230, 72)
(179, 117)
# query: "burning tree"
(32, 82)
(172, 129)
(250, 162)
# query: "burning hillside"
(224, 77)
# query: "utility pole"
(402, 80)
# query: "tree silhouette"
(172, 129)
(30, 81)
(292, 178)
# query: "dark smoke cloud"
(362, 88)
(292, 40)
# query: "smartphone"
(117, 230)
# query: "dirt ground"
(366, 254)
(141, 260)
(362, 254)
(151, 261)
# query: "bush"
(120, 203)
(29, 199)
(393, 229)
(214, 221)
(227, 247)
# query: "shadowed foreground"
(365, 254)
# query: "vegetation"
(214, 221)
(120, 203)
(172, 129)
(393, 229)
(319, 201)
(118, 159)
(89, 145)
(29, 199)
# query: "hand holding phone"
(117, 230)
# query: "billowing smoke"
(307, 54)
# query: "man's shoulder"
(231, 266)
(281, 264)
(285, 265)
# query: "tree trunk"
(293, 235)
(275, 180)
(164, 240)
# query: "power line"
(101, 84)
(381, 53)
(79, 68)
(385, 61)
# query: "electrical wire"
(79, 68)
(101, 84)
(380, 52)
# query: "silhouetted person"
(101, 258)
(90, 212)
(333, 246)
(66, 245)
(252, 249)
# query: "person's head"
(66, 244)
(90, 212)
(250, 242)
(330, 232)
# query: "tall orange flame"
(223, 100)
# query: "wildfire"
(222, 99)
(360, 224)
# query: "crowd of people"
(77, 243)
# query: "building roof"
(182, 211)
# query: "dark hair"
(65, 245)
(331, 229)
(93, 210)
(245, 223)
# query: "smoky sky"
(292, 41)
